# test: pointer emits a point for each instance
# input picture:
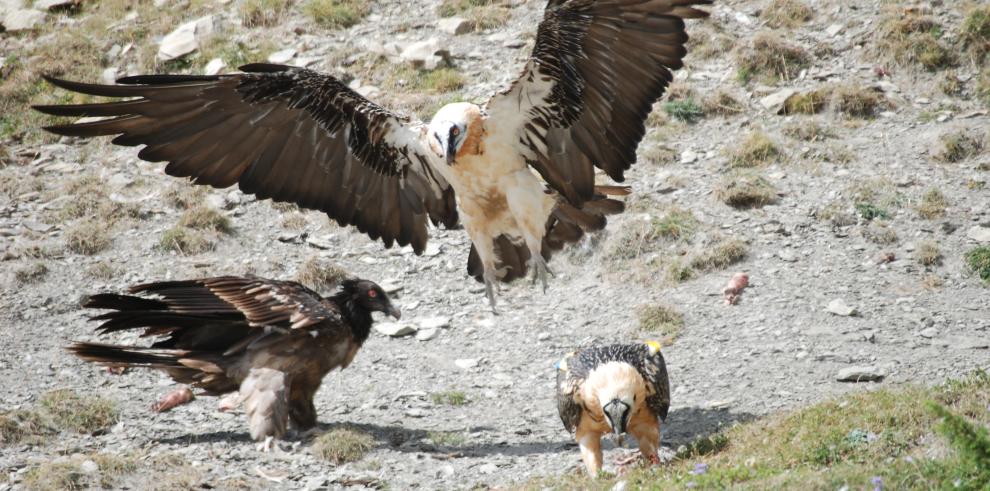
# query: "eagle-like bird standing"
(268, 342)
(613, 389)
(520, 169)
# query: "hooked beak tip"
(394, 312)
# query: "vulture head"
(456, 131)
(368, 296)
(620, 391)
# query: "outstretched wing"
(582, 99)
(278, 132)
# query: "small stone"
(425, 54)
(186, 39)
(432, 249)
(415, 412)
(394, 329)
(688, 157)
(839, 307)
(109, 76)
(775, 102)
(488, 468)
(928, 333)
(55, 5)
(466, 363)
(787, 255)
(620, 486)
(315, 483)
(283, 56)
(214, 67)
(434, 322)
(860, 374)
(979, 234)
(455, 25)
(89, 467)
(22, 20)
(833, 30)
(543, 336)
(426, 334)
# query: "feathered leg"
(531, 207)
(264, 392)
(486, 251)
(591, 450)
(647, 432)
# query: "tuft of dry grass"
(103, 270)
(720, 255)
(342, 445)
(446, 438)
(445, 79)
(880, 233)
(80, 413)
(770, 57)
(263, 13)
(927, 253)
(638, 236)
(974, 33)
(982, 88)
(662, 320)
(320, 274)
(31, 273)
(912, 39)
(658, 154)
(185, 240)
(294, 221)
(787, 13)
(756, 149)
(808, 130)
(958, 146)
(23, 425)
(856, 100)
(202, 217)
(745, 190)
(13, 185)
(184, 195)
(68, 473)
(88, 236)
(337, 14)
(932, 204)
(722, 103)
(811, 102)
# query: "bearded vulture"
(267, 343)
(520, 169)
(617, 389)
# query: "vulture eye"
(455, 131)
(372, 294)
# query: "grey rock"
(455, 25)
(433, 322)
(929, 333)
(426, 334)
(282, 56)
(833, 30)
(775, 102)
(186, 38)
(53, 5)
(425, 54)
(394, 329)
(979, 234)
(466, 363)
(860, 374)
(89, 467)
(22, 20)
(214, 67)
(839, 307)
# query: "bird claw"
(268, 445)
(540, 270)
(491, 286)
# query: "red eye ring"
(455, 131)
(372, 293)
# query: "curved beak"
(393, 311)
(617, 414)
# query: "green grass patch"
(263, 13)
(686, 110)
(870, 211)
(449, 398)
(756, 149)
(974, 33)
(446, 438)
(910, 438)
(978, 260)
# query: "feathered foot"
(268, 445)
(540, 270)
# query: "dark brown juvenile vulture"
(613, 389)
(268, 342)
(522, 166)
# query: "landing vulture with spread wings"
(266, 343)
(519, 170)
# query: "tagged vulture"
(613, 389)
(521, 167)
(267, 343)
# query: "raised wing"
(583, 98)
(278, 132)
(568, 386)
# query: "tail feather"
(130, 356)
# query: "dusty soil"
(778, 348)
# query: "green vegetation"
(449, 398)
(855, 100)
(932, 205)
(55, 411)
(263, 13)
(978, 260)
(975, 33)
(870, 211)
(185, 240)
(337, 14)
(908, 39)
(446, 438)
(811, 102)
(68, 474)
(676, 224)
(720, 255)
(958, 146)
(888, 438)
(342, 445)
(686, 110)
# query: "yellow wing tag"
(654, 347)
